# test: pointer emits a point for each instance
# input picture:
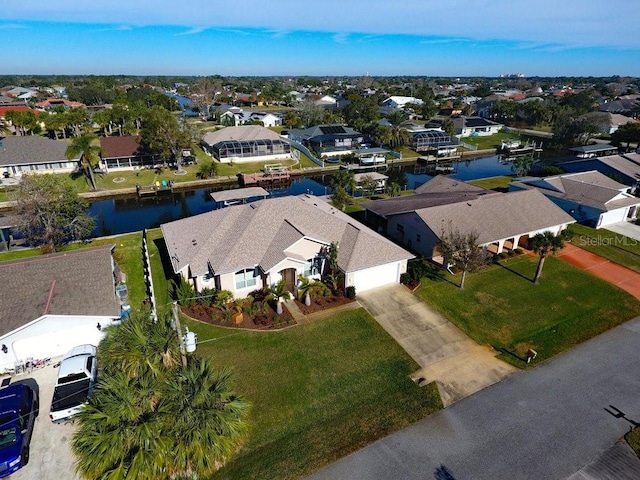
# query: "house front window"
(312, 267)
(245, 278)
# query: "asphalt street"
(546, 423)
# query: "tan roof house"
(245, 143)
(247, 247)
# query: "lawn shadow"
(510, 353)
(164, 258)
(514, 272)
(443, 473)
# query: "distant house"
(50, 103)
(247, 247)
(502, 221)
(590, 197)
(328, 138)
(433, 140)
(475, 126)
(592, 151)
(124, 153)
(376, 181)
(625, 168)
(55, 302)
(34, 154)
(398, 101)
(249, 143)
(236, 116)
(607, 122)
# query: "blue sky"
(328, 37)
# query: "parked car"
(75, 382)
(18, 412)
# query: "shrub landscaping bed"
(322, 303)
(266, 319)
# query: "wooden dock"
(274, 173)
(157, 189)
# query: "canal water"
(130, 214)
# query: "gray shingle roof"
(259, 233)
(241, 133)
(29, 149)
(440, 190)
(592, 189)
(80, 282)
(496, 217)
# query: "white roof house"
(397, 101)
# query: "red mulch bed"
(322, 303)
(215, 316)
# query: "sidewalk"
(613, 273)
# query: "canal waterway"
(130, 214)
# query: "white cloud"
(571, 22)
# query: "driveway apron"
(445, 354)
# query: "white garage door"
(375, 277)
(613, 216)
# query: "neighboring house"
(249, 143)
(50, 103)
(625, 168)
(51, 303)
(608, 123)
(34, 154)
(237, 116)
(124, 153)
(397, 101)
(591, 197)
(243, 248)
(502, 221)
(16, 107)
(623, 106)
(440, 190)
(433, 140)
(329, 138)
(475, 126)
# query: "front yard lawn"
(502, 307)
(318, 391)
(610, 245)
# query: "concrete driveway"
(627, 229)
(546, 423)
(445, 354)
(50, 451)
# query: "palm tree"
(151, 417)
(542, 244)
(398, 135)
(89, 154)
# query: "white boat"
(373, 160)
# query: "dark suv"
(18, 412)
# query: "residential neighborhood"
(265, 245)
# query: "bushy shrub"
(183, 292)
(519, 251)
(351, 292)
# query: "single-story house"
(329, 138)
(34, 154)
(475, 126)
(607, 122)
(502, 221)
(433, 140)
(399, 101)
(247, 143)
(237, 116)
(590, 197)
(51, 303)
(439, 190)
(248, 247)
(124, 153)
(625, 167)
(50, 103)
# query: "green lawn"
(633, 439)
(500, 183)
(607, 244)
(502, 307)
(319, 391)
(490, 141)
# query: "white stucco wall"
(51, 336)
(378, 276)
(613, 216)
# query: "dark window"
(400, 228)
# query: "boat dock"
(155, 189)
(271, 173)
